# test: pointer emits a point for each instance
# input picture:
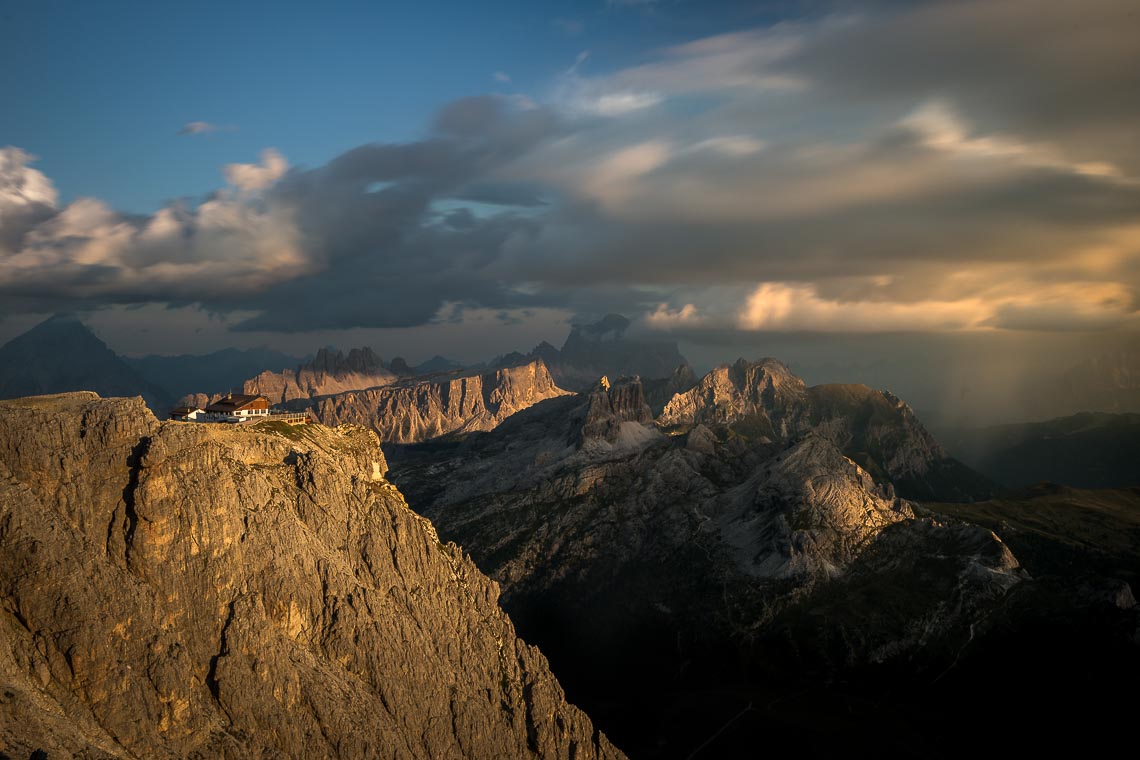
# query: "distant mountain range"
(329, 372)
(420, 408)
(602, 348)
(61, 354)
(712, 565)
(1089, 450)
(188, 373)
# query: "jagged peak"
(399, 365)
(614, 324)
(333, 361)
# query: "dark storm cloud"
(1040, 67)
(930, 166)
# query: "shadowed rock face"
(329, 372)
(182, 590)
(660, 552)
(61, 354)
(602, 348)
(417, 410)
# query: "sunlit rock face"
(419, 409)
(764, 400)
(186, 590)
(765, 391)
(329, 372)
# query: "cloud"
(796, 307)
(232, 243)
(664, 318)
(22, 187)
(939, 167)
(502, 76)
(203, 128)
(254, 177)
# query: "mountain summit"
(63, 354)
(602, 348)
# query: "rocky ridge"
(180, 590)
(329, 372)
(676, 544)
(423, 408)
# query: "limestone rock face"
(417, 410)
(812, 512)
(569, 498)
(764, 400)
(666, 552)
(611, 406)
(184, 590)
(329, 372)
(766, 391)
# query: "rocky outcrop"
(612, 406)
(329, 372)
(764, 400)
(660, 391)
(183, 590)
(417, 410)
(812, 512)
(764, 392)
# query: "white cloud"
(201, 128)
(21, 186)
(502, 76)
(254, 177)
(231, 243)
(787, 306)
(664, 318)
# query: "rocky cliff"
(416, 410)
(766, 401)
(329, 372)
(183, 590)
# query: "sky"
(470, 178)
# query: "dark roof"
(235, 403)
(182, 411)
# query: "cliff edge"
(179, 590)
